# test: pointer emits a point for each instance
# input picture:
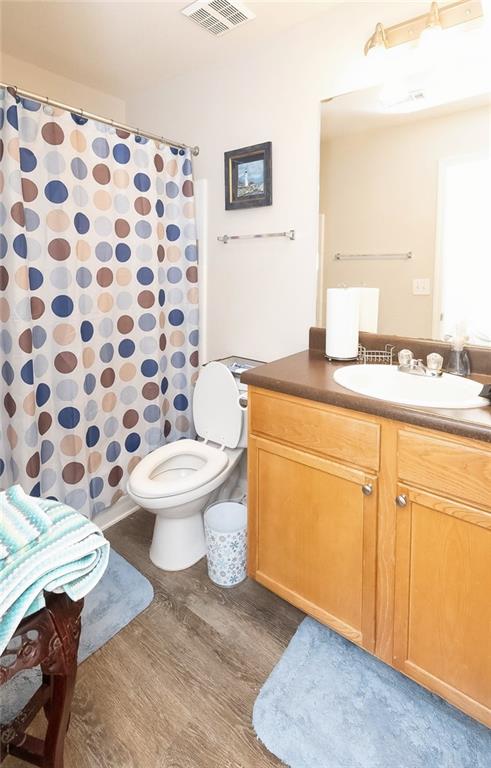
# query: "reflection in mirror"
(405, 207)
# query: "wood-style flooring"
(176, 687)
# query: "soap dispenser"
(458, 361)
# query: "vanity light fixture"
(377, 44)
(433, 20)
(429, 24)
(431, 34)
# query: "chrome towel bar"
(374, 256)
(290, 234)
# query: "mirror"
(405, 207)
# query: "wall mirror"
(405, 206)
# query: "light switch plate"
(421, 286)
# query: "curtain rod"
(99, 118)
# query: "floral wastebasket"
(226, 542)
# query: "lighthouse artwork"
(248, 177)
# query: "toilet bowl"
(177, 481)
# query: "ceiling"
(117, 46)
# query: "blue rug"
(328, 704)
(122, 593)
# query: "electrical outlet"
(421, 286)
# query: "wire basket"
(378, 356)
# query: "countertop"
(309, 375)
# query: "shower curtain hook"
(47, 108)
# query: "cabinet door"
(442, 632)
(312, 536)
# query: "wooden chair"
(48, 638)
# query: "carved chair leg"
(58, 627)
(61, 700)
(47, 706)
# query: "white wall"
(26, 76)
(385, 181)
(261, 295)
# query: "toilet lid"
(216, 411)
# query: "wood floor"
(175, 688)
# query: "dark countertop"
(309, 375)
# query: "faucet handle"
(405, 357)
(434, 362)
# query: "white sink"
(385, 382)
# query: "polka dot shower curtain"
(98, 302)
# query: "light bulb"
(431, 36)
(376, 55)
(376, 47)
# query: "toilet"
(177, 481)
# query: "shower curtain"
(98, 302)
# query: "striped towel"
(22, 520)
(70, 555)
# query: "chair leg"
(47, 680)
(60, 705)
(58, 628)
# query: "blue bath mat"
(122, 593)
(328, 704)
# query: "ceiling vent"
(404, 99)
(218, 16)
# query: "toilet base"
(178, 542)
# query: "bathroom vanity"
(375, 519)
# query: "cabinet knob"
(401, 500)
(367, 489)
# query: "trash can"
(226, 542)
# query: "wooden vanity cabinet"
(442, 608)
(315, 536)
(442, 601)
(391, 547)
(313, 518)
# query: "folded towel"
(70, 556)
(21, 520)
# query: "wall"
(26, 76)
(386, 180)
(261, 295)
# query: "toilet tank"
(237, 366)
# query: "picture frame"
(248, 177)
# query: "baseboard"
(123, 508)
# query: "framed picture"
(248, 177)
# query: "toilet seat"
(176, 468)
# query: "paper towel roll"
(369, 299)
(342, 323)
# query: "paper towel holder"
(341, 359)
(368, 356)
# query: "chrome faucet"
(409, 364)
